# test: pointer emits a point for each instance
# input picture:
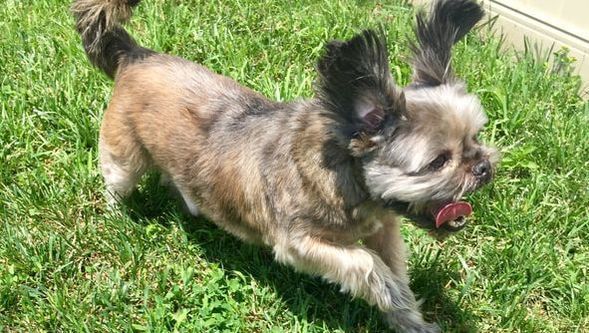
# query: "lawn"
(69, 264)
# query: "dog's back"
(229, 149)
(212, 135)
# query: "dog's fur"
(319, 181)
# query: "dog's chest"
(370, 218)
(363, 221)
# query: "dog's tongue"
(451, 212)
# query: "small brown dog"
(320, 181)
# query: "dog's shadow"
(308, 298)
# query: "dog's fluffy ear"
(355, 82)
(448, 22)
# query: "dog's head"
(418, 146)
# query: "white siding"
(547, 23)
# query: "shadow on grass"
(309, 298)
(430, 283)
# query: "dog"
(321, 181)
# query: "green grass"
(66, 264)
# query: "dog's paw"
(421, 328)
(427, 328)
(410, 321)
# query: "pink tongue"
(452, 211)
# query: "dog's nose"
(482, 170)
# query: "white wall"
(548, 23)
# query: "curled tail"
(106, 43)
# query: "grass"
(67, 264)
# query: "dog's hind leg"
(123, 160)
(121, 172)
(190, 205)
(361, 272)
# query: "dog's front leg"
(389, 245)
(360, 272)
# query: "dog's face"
(418, 146)
(431, 157)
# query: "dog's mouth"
(451, 215)
(448, 215)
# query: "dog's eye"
(439, 162)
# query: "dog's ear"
(448, 22)
(355, 82)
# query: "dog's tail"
(107, 44)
